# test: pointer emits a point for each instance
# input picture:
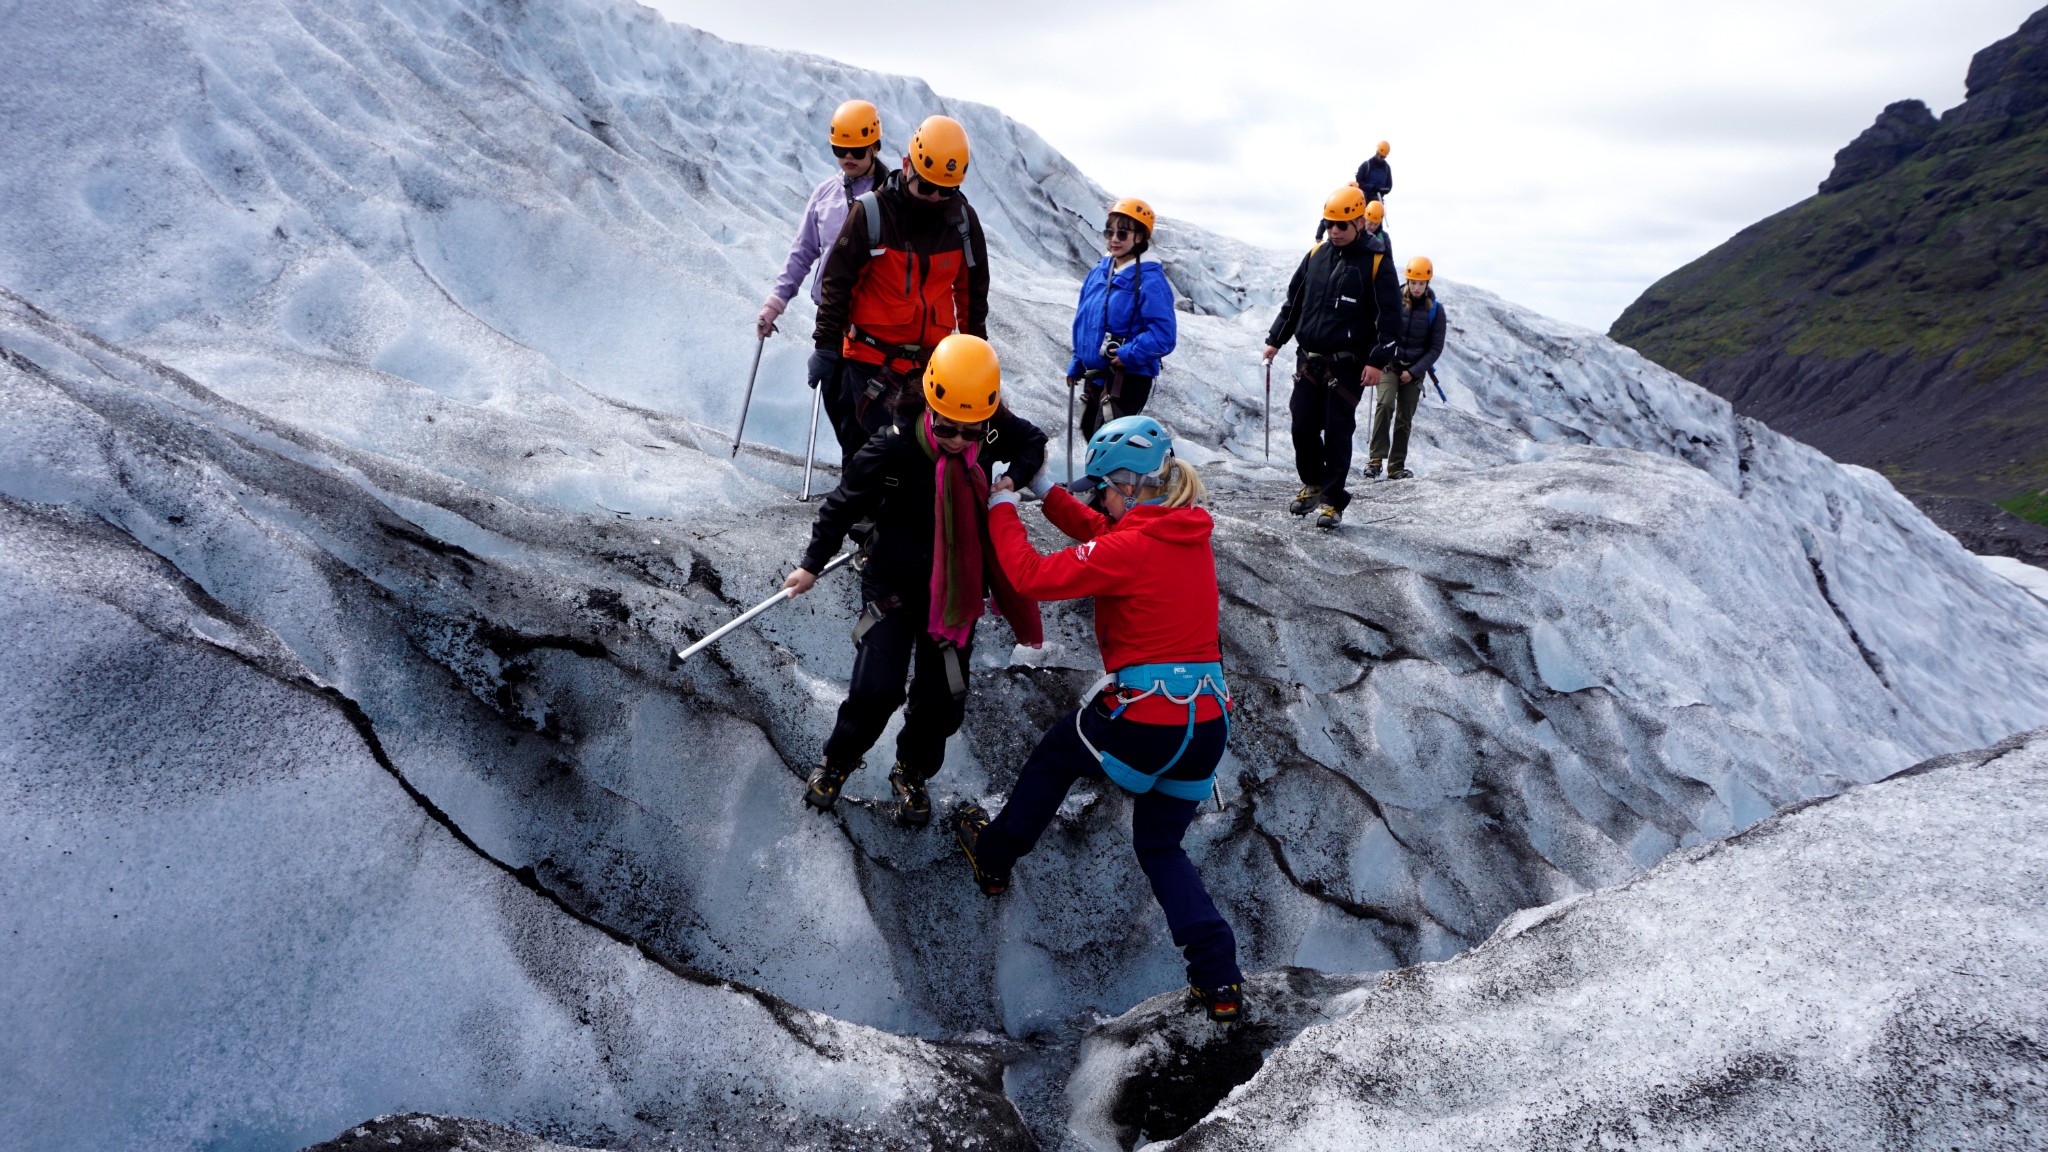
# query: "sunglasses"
(928, 188)
(1119, 233)
(1336, 224)
(845, 153)
(944, 431)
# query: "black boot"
(822, 790)
(967, 825)
(1224, 1005)
(913, 804)
(1372, 469)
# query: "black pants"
(1325, 411)
(1158, 822)
(1391, 393)
(1116, 395)
(900, 645)
(856, 416)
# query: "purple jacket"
(822, 218)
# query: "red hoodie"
(1153, 578)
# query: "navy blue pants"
(1158, 822)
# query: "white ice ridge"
(1868, 972)
(2020, 572)
(416, 334)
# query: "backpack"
(873, 207)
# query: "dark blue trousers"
(1158, 822)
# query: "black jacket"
(1343, 300)
(1375, 174)
(894, 482)
(1419, 334)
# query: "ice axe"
(811, 449)
(749, 401)
(781, 594)
(1439, 387)
(1071, 386)
(1269, 409)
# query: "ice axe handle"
(749, 400)
(781, 595)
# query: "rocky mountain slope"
(1899, 318)
(363, 364)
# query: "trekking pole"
(838, 561)
(1269, 409)
(748, 402)
(1439, 387)
(811, 449)
(1071, 388)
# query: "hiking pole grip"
(749, 400)
(782, 594)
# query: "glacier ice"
(410, 336)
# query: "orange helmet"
(1137, 210)
(1383, 149)
(962, 381)
(1421, 269)
(856, 124)
(938, 152)
(1376, 211)
(1346, 203)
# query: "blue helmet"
(1135, 444)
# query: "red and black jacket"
(924, 278)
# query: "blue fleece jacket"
(1135, 303)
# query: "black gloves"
(824, 366)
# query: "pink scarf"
(963, 558)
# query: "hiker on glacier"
(856, 141)
(1418, 341)
(924, 482)
(1124, 321)
(1375, 177)
(1156, 725)
(909, 268)
(1340, 308)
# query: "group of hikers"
(934, 464)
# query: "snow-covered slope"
(1868, 972)
(401, 332)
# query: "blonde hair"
(1183, 485)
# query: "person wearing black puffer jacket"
(1418, 341)
(929, 568)
(1340, 308)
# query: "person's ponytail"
(1184, 487)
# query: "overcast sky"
(1564, 154)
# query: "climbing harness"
(1179, 683)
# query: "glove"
(1041, 484)
(770, 312)
(1073, 381)
(823, 366)
(1006, 496)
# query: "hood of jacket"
(1169, 525)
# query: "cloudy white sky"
(1564, 154)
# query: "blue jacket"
(1137, 305)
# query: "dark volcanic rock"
(420, 1132)
(1901, 130)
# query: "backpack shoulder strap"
(873, 207)
(1434, 307)
(966, 235)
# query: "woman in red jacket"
(1157, 724)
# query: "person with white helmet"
(1124, 323)
(908, 268)
(1156, 725)
(1418, 342)
(923, 481)
(1340, 307)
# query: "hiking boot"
(822, 790)
(967, 825)
(1224, 1005)
(1400, 474)
(1305, 501)
(1372, 469)
(1328, 516)
(913, 804)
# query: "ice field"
(371, 369)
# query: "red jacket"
(923, 279)
(1153, 578)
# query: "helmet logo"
(951, 165)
